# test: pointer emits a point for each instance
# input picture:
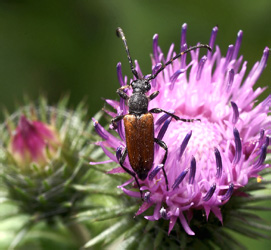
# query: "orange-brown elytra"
(139, 124)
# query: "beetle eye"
(147, 86)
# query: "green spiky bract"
(240, 217)
(35, 197)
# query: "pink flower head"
(207, 159)
(33, 141)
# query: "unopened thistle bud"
(33, 142)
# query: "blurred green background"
(67, 46)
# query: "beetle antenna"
(122, 36)
(177, 56)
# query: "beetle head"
(141, 85)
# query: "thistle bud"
(33, 142)
(44, 155)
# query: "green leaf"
(247, 231)
(116, 230)
(145, 242)
(138, 225)
(128, 243)
(98, 189)
(227, 240)
(20, 235)
(244, 215)
(259, 208)
(158, 239)
(105, 213)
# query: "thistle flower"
(208, 160)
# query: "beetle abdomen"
(139, 132)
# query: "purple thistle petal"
(229, 193)
(155, 48)
(143, 208)
(184, 143)
(170, 51)
(137, 67)
(185, 224)
(120, 130)
(210, 193)
(235, 112)
(129, 192)
(154, 172)
(174, 77)
(172, 222)
(267, 101)
(179, 179)
(99, 162)
(212, 41)
(217, 213)
(118, 170)
(183, 57)
(228, 57)
(112, 103)
(192, 170)
(238, 146)
(118, 152)
(106, 151)
(100, 130)
(119, 74)
(237, 45)
(262, 156)
(163, 131)
(162, 119)
(218, 161)
(230, 77)
(262, 64)
(183, 36)
(111, 140)
(156, 67)
(200, 67)
(154, 70)
(262, 134)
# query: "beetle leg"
(114, 121)
(121, 161)
(153, 95)
(158, 110)
(164, 146)
(122, 94)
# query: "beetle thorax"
(138, 101)
(138, 104)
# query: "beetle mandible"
(139, 123)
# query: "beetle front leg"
(121, 92)
(121, 161)
(153, 95)
(158, 110)
(113, 123)
(164, 146)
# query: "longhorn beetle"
(139, 124)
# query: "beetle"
(139, 122)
